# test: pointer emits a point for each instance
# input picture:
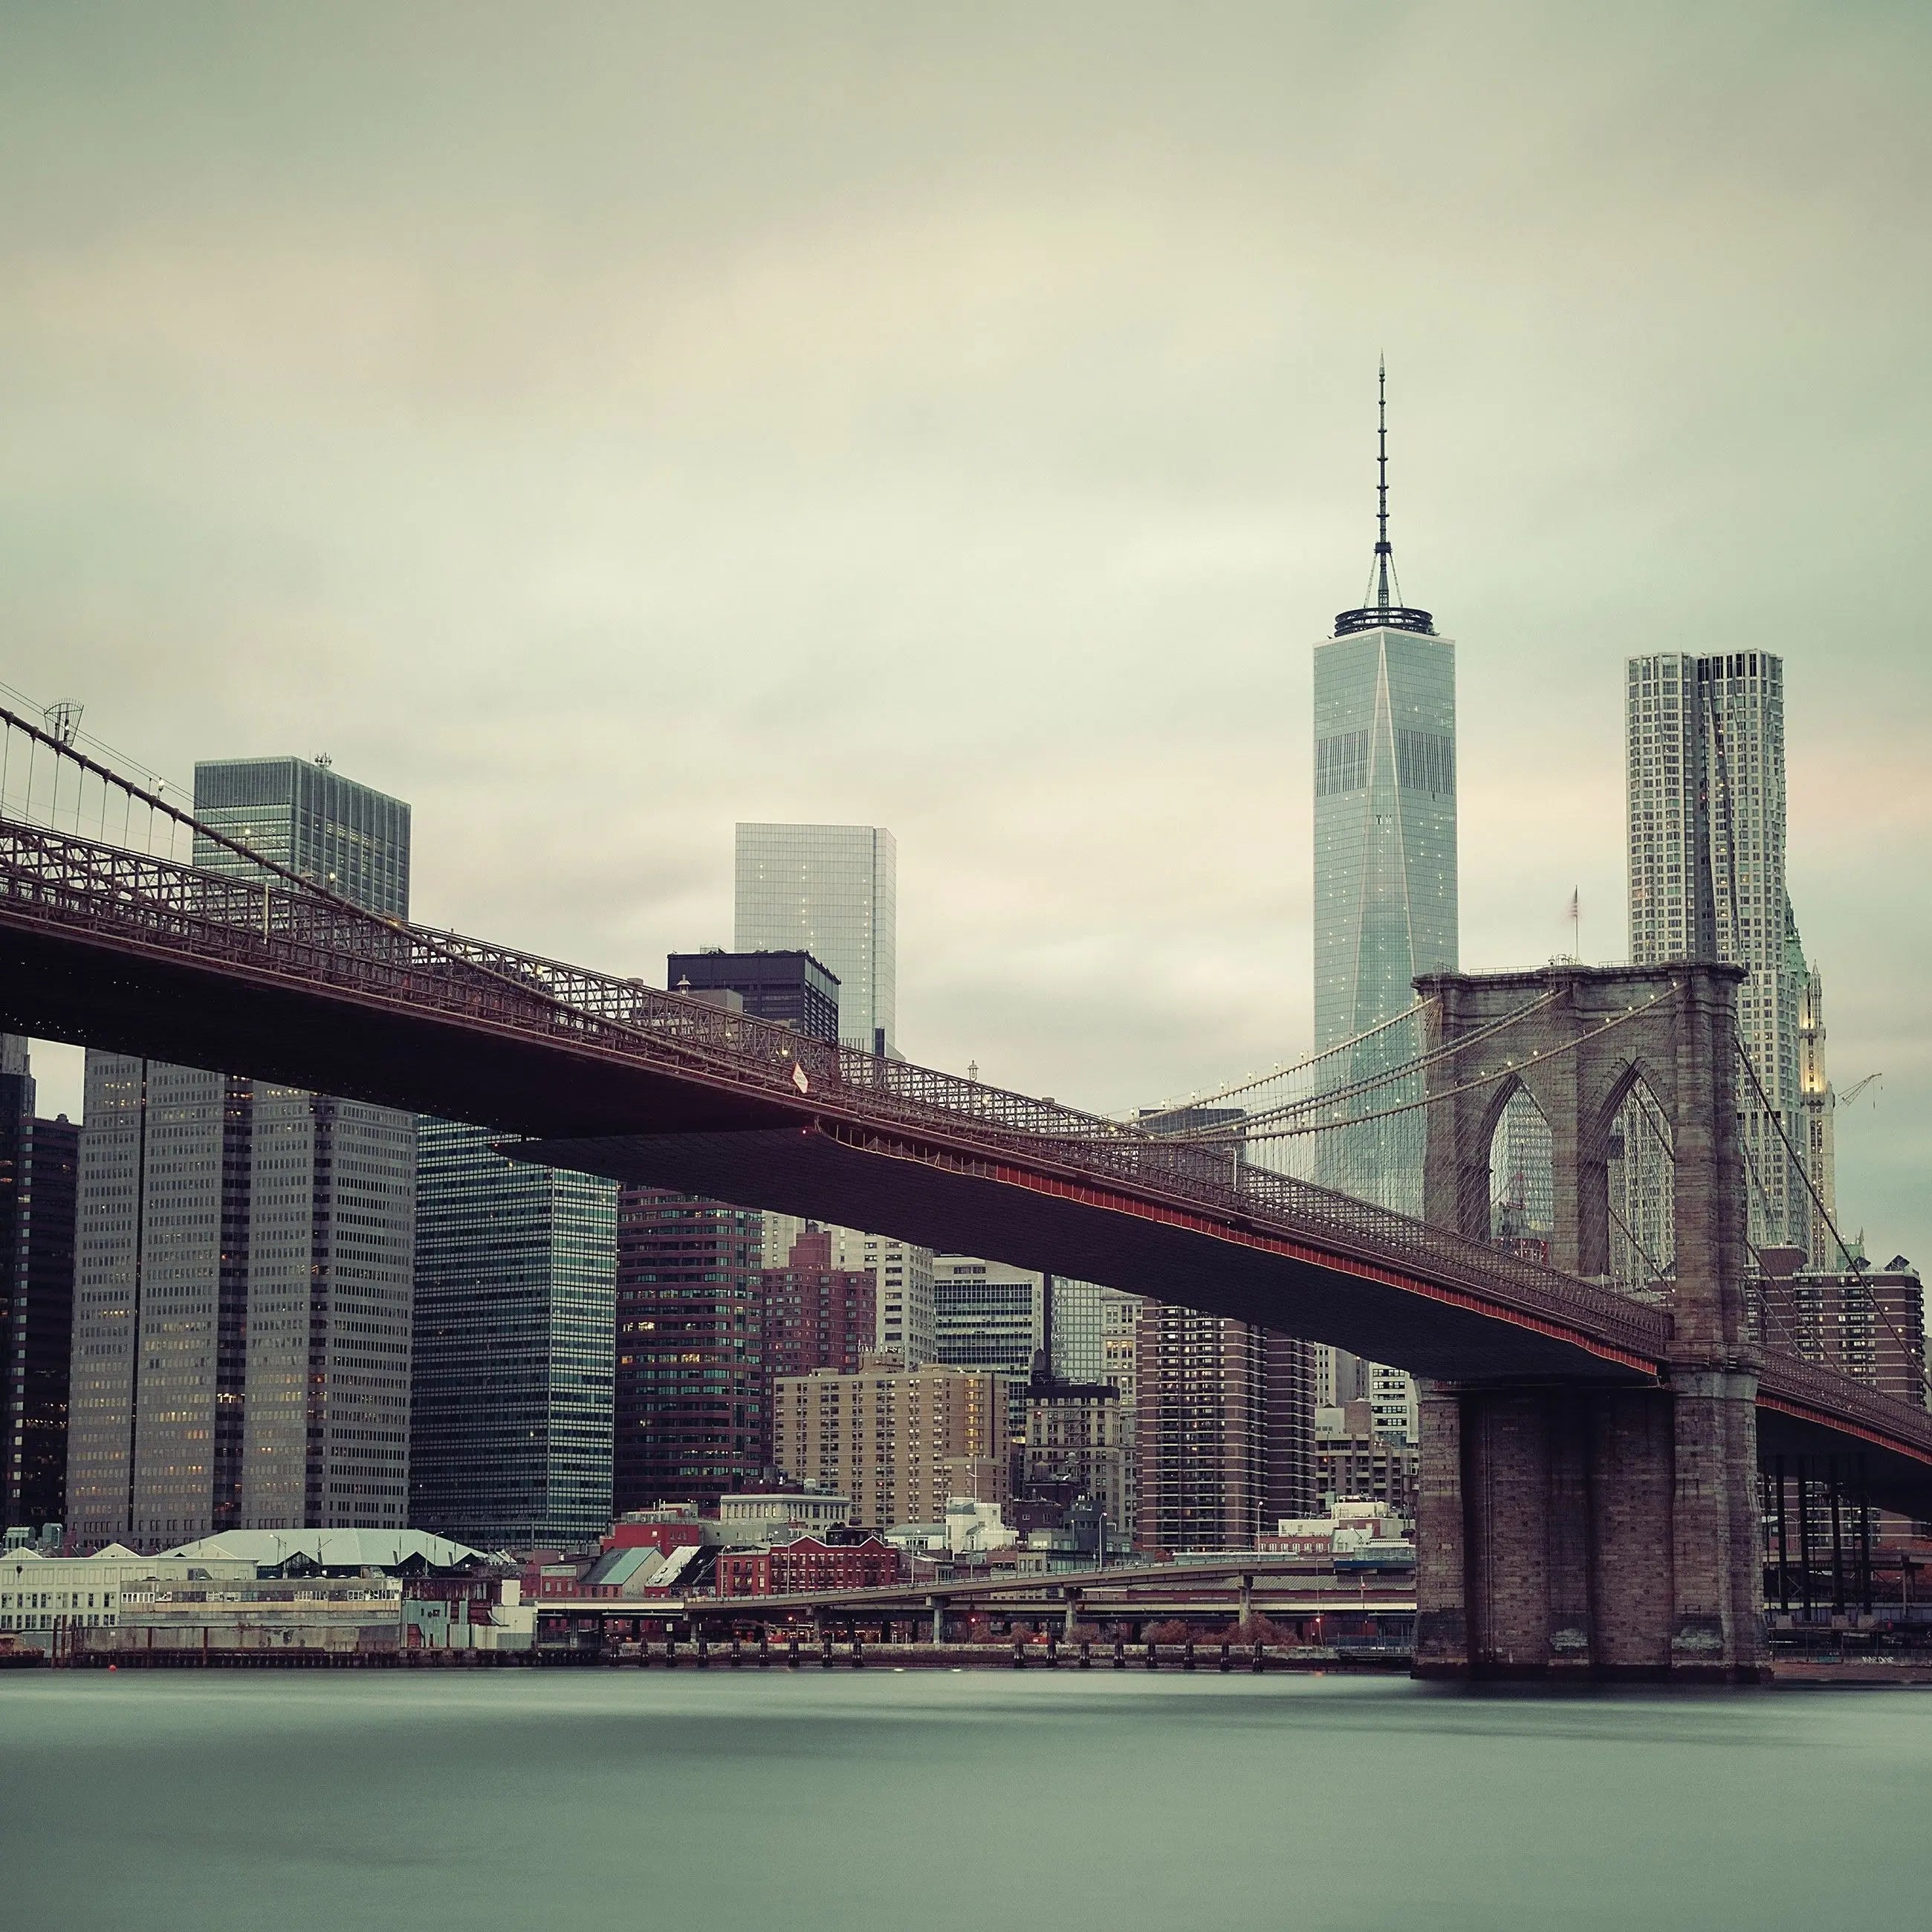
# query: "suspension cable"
(1658, 1272)
(1251, 1124)
(1465, 1087)
(1287, 1067)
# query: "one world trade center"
(1384, 859)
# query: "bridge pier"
(1590, 1533)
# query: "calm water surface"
(853, 1802)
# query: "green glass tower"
(1385, 849)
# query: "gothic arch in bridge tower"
(1522, 1176)
(1640, 1172)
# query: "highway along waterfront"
(203, 1801)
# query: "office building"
(692, 1422)
(306, 817)
(1385, 859)
(1338, 1377)
(818, 1316)
(791, 988)
(1120, 1346)
(988, 1315)
(903, 1291)
(1076, 1443)
(1225, 1435)
(831, 891)
(899, 1442)
(1078, 1326)
(1385, 874)
(1394, 1404)
(1704, 744)
(992, 1315)
(244, 1265)
(511, 1376)
(38, 1164)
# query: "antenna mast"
(1383, 553)
(1382, 607)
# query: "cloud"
(602, 430)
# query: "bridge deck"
(108, 948)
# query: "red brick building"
(671, 1526)
(817, 1316)
(807, 1564)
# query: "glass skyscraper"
(692, 1409)
(1385, 892)
(832, 891)
(1385, 904)
(516, 1273)
(38, 1160)
(347, 837)
(244, 1256)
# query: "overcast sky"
(597, 425)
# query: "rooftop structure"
(791, 988)
(336, 1551)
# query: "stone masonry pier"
(1571, 1530)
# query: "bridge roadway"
(102, 947)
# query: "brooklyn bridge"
(1598, 1460)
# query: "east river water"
(204, 1801)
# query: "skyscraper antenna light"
(1382, 607)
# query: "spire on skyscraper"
(1381, 609)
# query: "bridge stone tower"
(1592, 1529)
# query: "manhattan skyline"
(954, 508)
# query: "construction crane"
(1851, 1093)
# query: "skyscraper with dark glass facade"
(790, 987)
(244, 1265)
(693, 1417)
(511, 1416)
(38, 1162)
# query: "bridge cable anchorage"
(1797, 1165)
(1366, 1083)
